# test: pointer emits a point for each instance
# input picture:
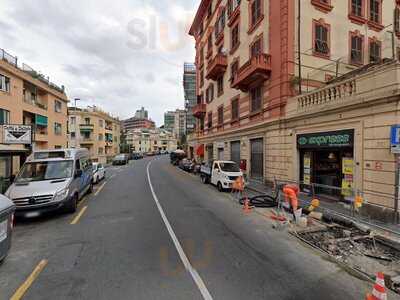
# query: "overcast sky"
(119, 55)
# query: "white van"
(51, 180)
(220, 173)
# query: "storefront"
(10, 162)
(327, 160)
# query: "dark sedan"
(121, 159)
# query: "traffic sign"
(395, 139)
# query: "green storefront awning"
(41, 120)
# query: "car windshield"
(95, 167)
(229, 167)
(46, 170)
(120, 157)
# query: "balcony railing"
(199, 110)
(35, 102)
(109, 128)
(255, 71)
(217, 66)
(85, 140)
(329, 94)
(86, 127)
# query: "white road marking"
(195, 275)
(100, 188)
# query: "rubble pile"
(360, 249)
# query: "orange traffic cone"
(379, 290)
(246, 205)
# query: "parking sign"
(395, 139)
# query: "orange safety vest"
(290, 193)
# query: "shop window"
(256, 99)
(209, 120)
(4, 83)
(356, 49)
(235, 109)
(235, 37)
(220, 116)
(256, 48)
(220, 85)
(4, 117)
(374, 51)
(321, 38)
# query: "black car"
(137, 156)
(121, 159)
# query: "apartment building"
(96, 130)
(189, 88)
(149, 140)
(169, 121)
(27, 98)
(256, 60)
(142, 114)
(137, 123)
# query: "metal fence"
(347, 202)
(8, 57)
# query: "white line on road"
(195, 275)
(100, 188)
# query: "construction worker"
(238, 187)
(291, 191)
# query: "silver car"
(52, 180)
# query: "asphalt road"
(183, 240)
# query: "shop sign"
(342, 138)
(348, 179)
(307, 168)
(17, 134)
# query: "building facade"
(180, 129)
(145, 140)
(142, 114)
(169, 121)
(256, 60)
(95, 130)
(189, 88)
(28, 98)
(137, 123)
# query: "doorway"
(257, 159)
(220, 153)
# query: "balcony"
(109, 143)
(217, 66)
(41, 134)
(254, 72)
(109, 128)
(86, 127)
(87, 141)
(199, 110)
(35, 101)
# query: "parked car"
(99, 172)
(121, 159)
(7, 209)
(186, 165)
(51, 180)
(176, 156)
(137, 156)
(220, 173)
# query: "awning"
(200, 150)
(40, 120)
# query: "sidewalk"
(332, 207)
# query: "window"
(4, 116)
(209, 119)
(209, 45)
(101, 123)
(396, 21)
(201, 78)
(256, 48)
(235, 37)
(220, 85)
(100, 150)
(73, 120)
(220, 24)
(321, 39)
(374, 51)
(235, 109)
(232, 5)
(100, 136)
(256, 99)
(57, 129)
(57, 106)
(87, 121)
(357, 8)
(209, 10)
(356, 55)
(220, 116)
(4, 83)
(73, 135)
(374, 10)
(234, 70)
(256, 11)
(210, 93)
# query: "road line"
(112, 176)
(82, 201)
(195, 275)
(20, 292)
(79, 215)
(100, 188)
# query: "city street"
(168, 238)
